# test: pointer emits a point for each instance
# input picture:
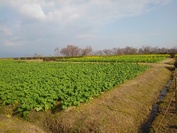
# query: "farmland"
(95, 95)
(38, 86)
(149, 58)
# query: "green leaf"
(64, 107)
(38, 108)
(25, 113)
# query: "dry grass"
(34, 60)
(15, 125)
(166, 120)
(11, 124)
(168, 63)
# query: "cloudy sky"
(39, 26)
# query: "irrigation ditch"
(145, 128)
(160, 120)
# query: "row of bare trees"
(72, 50)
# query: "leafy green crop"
(39, 86)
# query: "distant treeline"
(71, 51)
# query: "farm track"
(121, 109)
(168, 63)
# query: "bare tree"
(115, 52)
(146, 49)
(173, 50)
(70, 50)
(118, 51)
(98, 52)
(36, 56)
(108, 52)
(130, 50)
(140, 51)
(57, 52)
(86, 51)
(153, 50)
(162, 50)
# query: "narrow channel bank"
(146, 127)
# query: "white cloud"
(72, 10)
(111, 10)
(64, 15)
(32, 10)
(28, 8)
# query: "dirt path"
(168, 63)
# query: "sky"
(39, 26)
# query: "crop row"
(39, 86)
(121, 58)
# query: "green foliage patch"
(34, 85)
(149, 58)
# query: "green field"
(42, 85)
(149, 58)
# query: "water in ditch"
(146, 126)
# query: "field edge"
(122, 109)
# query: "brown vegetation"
(166, 119)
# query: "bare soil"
(122, 109)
